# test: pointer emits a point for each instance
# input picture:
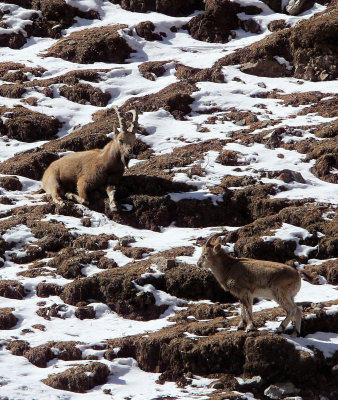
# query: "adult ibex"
(246, 278)
(85, 171)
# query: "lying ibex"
(246, 278)
(85, 171)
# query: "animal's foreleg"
(111, 190)
(77, 199)
(244, 318)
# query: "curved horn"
(212, 237)
(123, 127)
(134, 124)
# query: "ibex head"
(211, 248)
(125, 137)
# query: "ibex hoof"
(280, 329)
(250, 328)
(113, 207)
(240, 326)
(295, 334)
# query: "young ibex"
(246, 278)
(85, 171)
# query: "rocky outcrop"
(79, 379)
(83, 93)
(216, 23)
(309, 59)
(93, 45)
(26, 125)
(175, 8)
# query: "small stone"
(253, 118)
(248, 384)
(126, 240)
(265, 123)
(281, 390)
(262, 85)
(241, 122)
(217, 385)
(288, 176)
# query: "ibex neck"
(221, 265)
(110, 153)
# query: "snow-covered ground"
(19, 379)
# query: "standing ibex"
(85, 171)
(246, 278)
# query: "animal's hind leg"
(290, 307)
(52, 187)
(298, 320)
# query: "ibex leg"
(247, 304)
(290, 307)
(111, 190)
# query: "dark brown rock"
(146, 30)
(175, 98)
(12, 289)
(79, 379)
(54, 15)
(175, 8)
(45, 289)
(31, 165)
(12, 91)
(312, 60)
(92, 45)
(12, 40)
(10, 183)
(28, 126)
(7, 318)
(216, 23)
(270, 68)
(152, 69)
(329, 270)
(276, 250)
(199, 75)
(86, 312)
(83, 93)
(278, 25)
(41, 355)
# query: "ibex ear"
(217, 245)
(115, 131)
(217, 248)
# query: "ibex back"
(246, 278)
(85, 171)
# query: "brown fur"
(247, 278)
(85, 171)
